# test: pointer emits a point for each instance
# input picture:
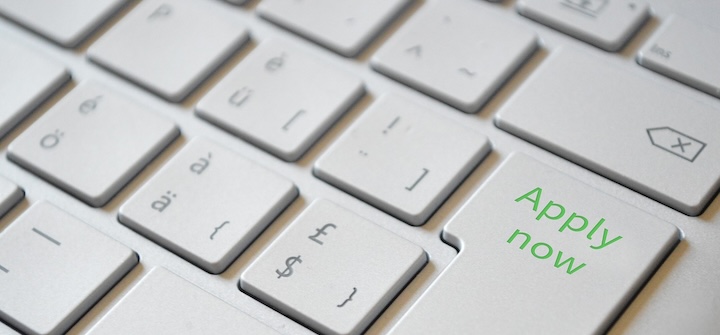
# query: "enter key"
(543, 253)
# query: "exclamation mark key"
(402, 159)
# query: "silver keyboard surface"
(344, 167)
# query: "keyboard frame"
(683, 295)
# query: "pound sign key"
(321, 231)
(289, 262)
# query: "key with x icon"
(675, 142)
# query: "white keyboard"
(349, 167)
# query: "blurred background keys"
(32, 79)
(168, 47)
(687, 52)
(605, 24)
(345, 27)
(458, 54)
(66, 22)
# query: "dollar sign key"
(289, 262)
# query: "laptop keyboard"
(346, 167)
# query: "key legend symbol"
(348, 298)
(416, 50)
(289, 262)
(89, 105)
(275, 63)
(417, 181)
(589, 7)
(391, 125)
(676, 143)
(162, 11)
(217, 229)
(321, 231)
(51, 140)
(239, 96)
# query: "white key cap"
(236, 2)
(540, 253)
(459, 54)
(174, 304)
(10, 195)
(280, 99)
(53, 268)
(402, 159)
(92, 143)
(606, 24)
(343, 26)
(5, 330)
(168, 47)
(66, 22)
(33, 79)
(655, 141)
(331, 270)
(687, 52)
(207, 204)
